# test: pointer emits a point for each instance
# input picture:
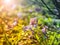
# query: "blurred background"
(29, 22)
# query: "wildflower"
(38, 9)
(14, 23)
(44, 30)
(46, 27)
(29, 27)
(34, 22)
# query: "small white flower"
(15, 23)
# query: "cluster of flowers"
(33, 23)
